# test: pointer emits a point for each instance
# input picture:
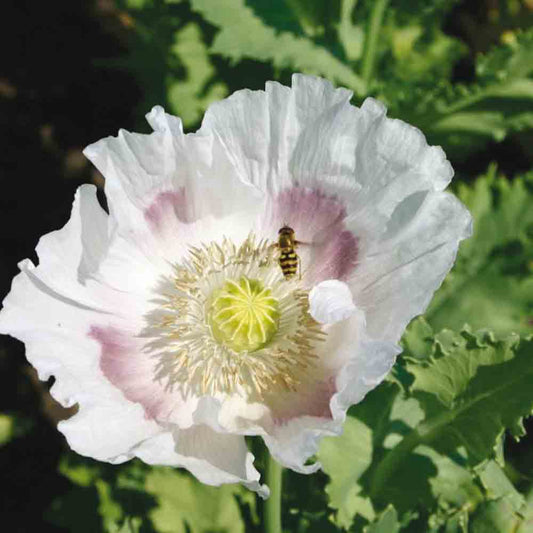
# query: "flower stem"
(371, 41)
(274, 473)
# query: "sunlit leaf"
(418, 339)
(526, 524)
(350, 34)
(387, 522)
(510, 60)
(189, 94)
(471, 389)
(128, 526)
(497, 516)
(454, 486)
(81, 472)
(242, 34)
(137, 4)
(186, 505)
(470, 396)
(497, 485)
(6, 428)
(345, 459)
(13, 426)
(421, 55)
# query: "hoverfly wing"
(320, 242)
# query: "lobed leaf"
(470, 396)
(345, 470)
(122, 498)
(513, 59)
(497, 485)
(190, 94)
(496, 516)
(242, 34)
(186, 505)
(424, 481)
(387, 522)
(463, 118)
(465, 391)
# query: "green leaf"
(462, 118)
(151, 28)
(507, 509)
(476, 392)
(165, 499)
(351, 36)
(132, 525)
(189, 94)
(76, 511)
(491, 284)
(13, 426)
(417, 341)
(527, 514)
(89, 476)
(82, 472)
(242, 34)
(469, 396)
(425, 9)
(137, 4)
(109, 509)
(454, 486)
(420, 54)
(344, 459)
(314, 15)
(419, 458)
(497, 485)
(186, 505)
(391, 416)
(496, 516)
(387, 522)
(375, 410)
(465, 118)
(425, 478)
(7, 424)
(455, 521)
(513, 59)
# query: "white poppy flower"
(170, 322)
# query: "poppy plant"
(180, 321)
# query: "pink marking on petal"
(306, 206)
(310, 400)
(125, 366)
(318, 219)
(165, 204)
(336, 259)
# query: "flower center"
(229, 322)
(244, 315)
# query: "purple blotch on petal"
(125, 366)
(318, 220)
(165, 204)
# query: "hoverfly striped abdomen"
(289, 261)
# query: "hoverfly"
(288, 259)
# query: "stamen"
(231, 322)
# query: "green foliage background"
(433, 448)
